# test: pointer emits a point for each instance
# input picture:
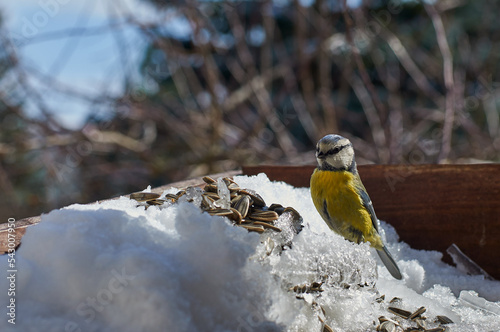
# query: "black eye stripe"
(336, 149)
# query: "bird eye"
(334, 151)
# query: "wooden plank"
(431, 206)
(21, 225)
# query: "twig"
(448, 81)
(325, 73)
(377, 130)
(371, 115)
(409, 65)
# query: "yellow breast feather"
(335, 195)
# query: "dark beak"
(320, 155)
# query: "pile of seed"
(244, 207)
(418, 322)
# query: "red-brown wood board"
(431, 206)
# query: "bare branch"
(448, 81)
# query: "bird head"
(334, 152)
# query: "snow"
(116, 267)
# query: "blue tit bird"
(341, 198)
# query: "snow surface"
(115, 267)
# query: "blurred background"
(102, 98)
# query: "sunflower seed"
(395, 300)
(231, 185)
(266, 225)
(220, 212)
(207, 202)
(417, 313)
(256, 198)
(399, 312)
(241, 203)
(316, 286)
(228, 180)
(444, 320)
(382, 319)
(236, 217)
(437, 329)
(264, 215)
(278, 208)
(212, 187)
(387, 326)
(421, 323)
(143, 197)
(327, 328)
(292, 210)
(212, 195)
(171, 197)
(296, 219)
(299, 288)
(258, 229)
(208, 180)
(156, 202)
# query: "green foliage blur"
(259, 82)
